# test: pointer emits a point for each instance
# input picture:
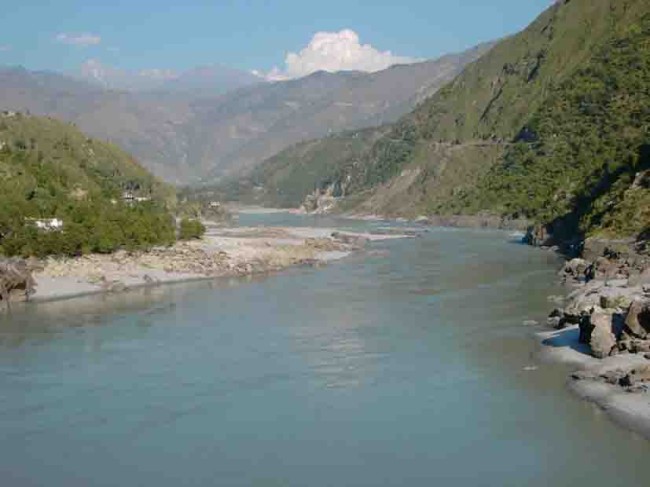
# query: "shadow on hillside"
(566, 230)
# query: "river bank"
(221, 252)
(602, 330)
(408, 356)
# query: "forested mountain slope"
(104, 198)
(552, 124)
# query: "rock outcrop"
(601, 334)
(16, 281)
(323, 201)
(610, 306)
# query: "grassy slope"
(57, 150)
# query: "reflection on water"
(408, 365)
(40, 321)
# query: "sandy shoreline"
(222, 252)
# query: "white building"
(47, 224)
(129, 197)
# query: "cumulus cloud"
(83, 40)
(335, 51)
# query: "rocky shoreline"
(222, 252)
(602, 329)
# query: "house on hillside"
(129, 197)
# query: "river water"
(406, 365)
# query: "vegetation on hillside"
(104, 199)
(284, 180)
(581, 151)
(552, 124)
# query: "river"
(405, 365)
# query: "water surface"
(406, 365)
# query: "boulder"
(603, 268)
(15, 277)
(538, 236)
(576, 269)
(633, 345)
(636, 376)
(601, 336)
(555, 322)
(612, 301)
(572, 318)
(559, 318)
(642, 279)
(637, 322)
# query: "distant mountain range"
(185, 133)
(204, 80)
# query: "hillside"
(285, 179)
(50, 170)
(552, 124)
(186, 137)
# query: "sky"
(276, 38)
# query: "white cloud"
(335, 51)
(83, 40)
(5, 48)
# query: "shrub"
(190, 229)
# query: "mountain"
(259, 122)
(204, 80)
(141, 124)
(191, 137)
(552, 124)
(284, 180)
(49, 171)
(210, 80)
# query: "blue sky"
(245, 34)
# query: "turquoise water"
(406, 365)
